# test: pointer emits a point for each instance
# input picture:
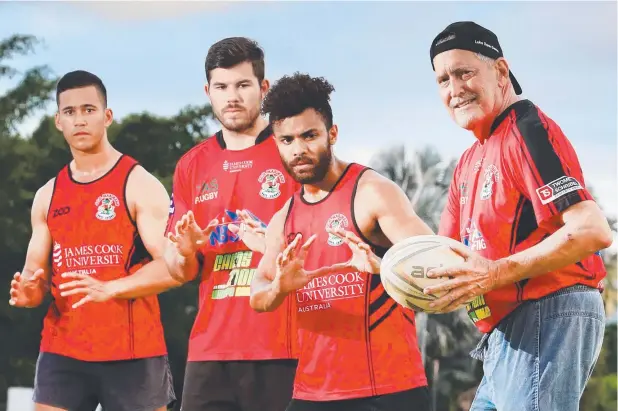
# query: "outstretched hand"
(91, 288)
(189, 236)
(363, 258)
(291, 274)
(250, 230)
(26, 290)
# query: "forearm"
(566, 246)
(265, 296)
(153, 278)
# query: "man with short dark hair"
(101, 217)
(533, 233)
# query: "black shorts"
(132, 385)
(416, 399)
(238, 385)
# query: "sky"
(151, 57)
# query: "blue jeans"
(540, 357)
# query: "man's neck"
(243, 139)
(316, 192)
(483, 131)
(93, 164)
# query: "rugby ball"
(404, 268)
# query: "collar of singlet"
(264, 134)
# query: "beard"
(242, 121)
(317, 170)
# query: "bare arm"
(147, 196)
(584, 231)
(39, 249)
(391, 208)
(265, 296)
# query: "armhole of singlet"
(287, 216)
(124, 195)
(51, 199)
(379, 250)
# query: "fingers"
(304, 249)
(454, 299)
(77, 289)
(206, 231)
(462, 250)
(83, 301)
(73, 274)
(447, 285)
(235, 229)
(38, 274)
(452, 271)
(290, 251)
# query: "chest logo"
(106, 205)
(336, 221)
(270, 181)
(492, 175)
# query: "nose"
(232, 95)
(299, 147)
(456, 87)
(80, 119)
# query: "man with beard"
(238, 359)
(358, 349)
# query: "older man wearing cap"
(532, 271)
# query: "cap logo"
(445, 39)
(482, 43)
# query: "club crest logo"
(491, 176)
(336, 221)
(106, 204)
(271, 180)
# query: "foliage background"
(27, 162)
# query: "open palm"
(189, 236)
(363, 258)
(291, 274)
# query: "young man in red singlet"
(357, 347)
(101, 216)
(238, 359)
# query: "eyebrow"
(305, 133)
(220, 83)
(82, 106)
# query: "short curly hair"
(292, 95)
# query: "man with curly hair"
(358, 348)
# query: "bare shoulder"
(375, 187)
(42, 197)
(141, 182)
(281, 214)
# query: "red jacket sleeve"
(449, 220)
(545, 166)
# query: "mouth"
(232, 110)
(81, 133)
(464, 104)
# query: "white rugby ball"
(404, 268)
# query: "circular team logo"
(271, 180)
(336, 221)
(491, 176)
(106, 204)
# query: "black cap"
(467, 35)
